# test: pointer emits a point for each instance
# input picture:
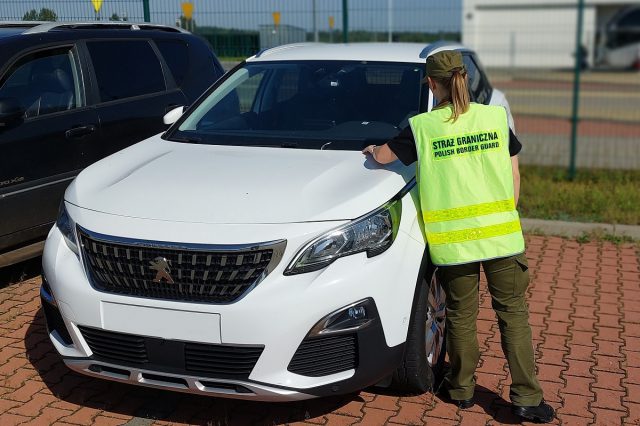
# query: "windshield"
(307, 104)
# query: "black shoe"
(542, 413)
(464, 403)
(461, 403)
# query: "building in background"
(277, 35)
(537, 33)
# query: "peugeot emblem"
(162, 266)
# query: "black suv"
(73, 93)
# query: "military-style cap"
(440, 65)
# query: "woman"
(469, 185)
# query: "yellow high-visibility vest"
(466, 185)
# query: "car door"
(45, 147)
(134, 91)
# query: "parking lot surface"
(585, 314)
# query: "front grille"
(174, 273)
(221, 361)
(115, 346)
(325, 355)
(170, 356)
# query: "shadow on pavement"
(146, 403)
(495, 406)
(485, 400)
(130, 400)
(20, 271)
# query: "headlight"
(373, 233)
(66, 227)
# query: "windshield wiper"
(275, 145)
(186, 139)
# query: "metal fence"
(529, 48)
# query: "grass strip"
(606, 196)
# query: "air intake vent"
(325, 355)
(227, 362)
(115, 346)
(188, 358)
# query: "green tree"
(31, 15)
(44, 15)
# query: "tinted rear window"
(176, 55)
(126, 68)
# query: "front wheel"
(423, 363)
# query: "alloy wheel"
(435, 327)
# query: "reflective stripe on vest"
(466, 185)
(474, 233)
(469, 211)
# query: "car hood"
(162, 180)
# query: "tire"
(422, 367)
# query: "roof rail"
(8, 24)
(48, 26)
(269, 50)
(440, 45)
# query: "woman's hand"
(382, 154)
(369, 150)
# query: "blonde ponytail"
(458, 93)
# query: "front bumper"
(371, 369)
(374, 359)
(278, 315)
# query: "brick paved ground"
(585, 312)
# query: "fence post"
(390, 20)
(576, 91)
(316, 37)
(146, 10)
(345, 21)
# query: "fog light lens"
(349, 318)
(357, 313)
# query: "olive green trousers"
(508, 279)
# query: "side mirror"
(173, 115)
(10, 110)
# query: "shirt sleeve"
(514, 144)
(404, 146)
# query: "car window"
(125, 68)
(248, 91)
(345, 102)
(176, 55)
(44, 82)
(288, 85)
(630, 20)
(479, 87)
(622, 38)
(624, 29)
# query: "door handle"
(80, 131)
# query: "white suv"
(252, 251)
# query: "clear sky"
(408, 15)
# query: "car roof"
(11, 31)
(373, 52)
(11, 28)
(14, 28)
